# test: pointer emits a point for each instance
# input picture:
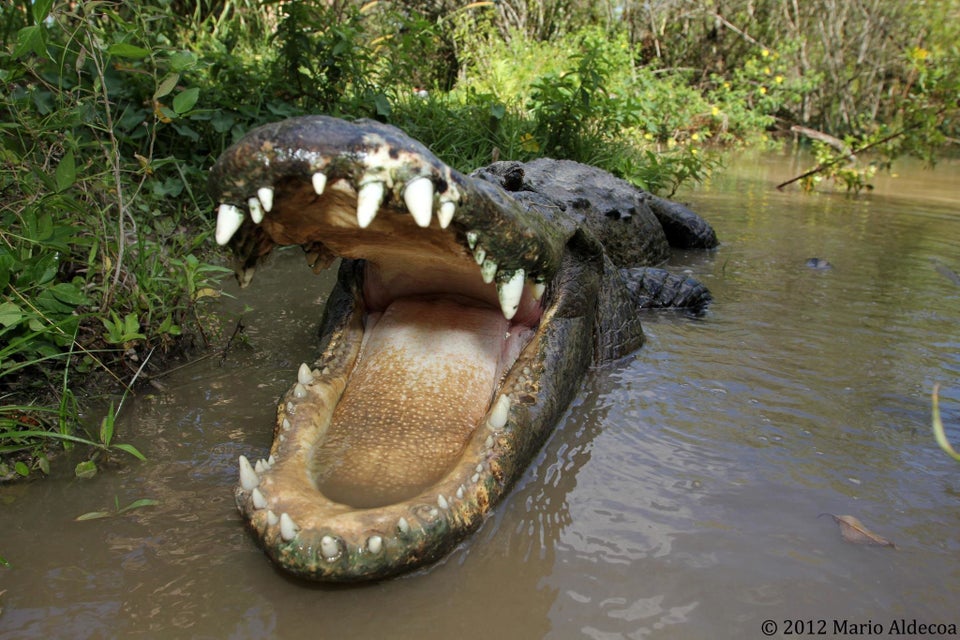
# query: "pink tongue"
(423, 381)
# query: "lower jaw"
(310, 535)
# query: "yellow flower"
(778, 79)
(765, 53)
(648, 136)
(763, 91)
(766, 70)
(693, 152)
(694, 136)
(715, 110)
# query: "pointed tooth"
(510, 293)
(537, 289)
(479, 254)
(475, 478)
(374, 544)
(266, 198)
(445, 214)
(329, 547)
(460, 490)
(229, 219)
(288, 528)
(299, 391)
(488, 270)
(286, 424)
(418, 196)
(472, 237)
(369, 199)
(442, 502)
(304, 375)
(256, 211)
(259, 467)
(259, 502)
(499, 414)
(271, 461)
(319, 182)
(249, 479)
(403, 525)
(272, 518)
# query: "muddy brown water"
(678, 497)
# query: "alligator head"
(462, 321)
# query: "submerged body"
(466, 312)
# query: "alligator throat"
(423, 381)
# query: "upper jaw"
(335, 188)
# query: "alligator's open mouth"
(434, 385)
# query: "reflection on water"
(677, 499)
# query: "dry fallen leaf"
(853, 530)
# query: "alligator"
(466, 312)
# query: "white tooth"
(291, 408)
(510, 293)
(374, 544)
(368, 203)
(537, 289)
(299, 391)
(479, 468)
(488, 270)
(442, 502)
(272, 518)
(418, 196)
(402, 525)
(249, 479)
(286, 425)
(259, 467)
(488, 442)
(460, 492)
(256, 211)
(479, 254)
(266, 198)
(475, 478)
(319, 182)
(259, 502)
(304, 376)
(288, 528)
(472, 237)
(445, 214)
(329, 547)
(498, 417)
(271, 461)
(229, 219)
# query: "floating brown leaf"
(853, 530)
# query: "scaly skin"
(300, 182)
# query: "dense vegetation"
(112, 113)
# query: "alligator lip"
(393, 445)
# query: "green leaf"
(185, 100)
(166, 85)
(183, 60)
(69, 293)
(138, 504)
(10, 314)
(22, 468)
(66, 173)
(41, 9)
(132, 450)
(124, 50)
(92, 515)
(86, 469)
(31, 40)
(106, 427)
